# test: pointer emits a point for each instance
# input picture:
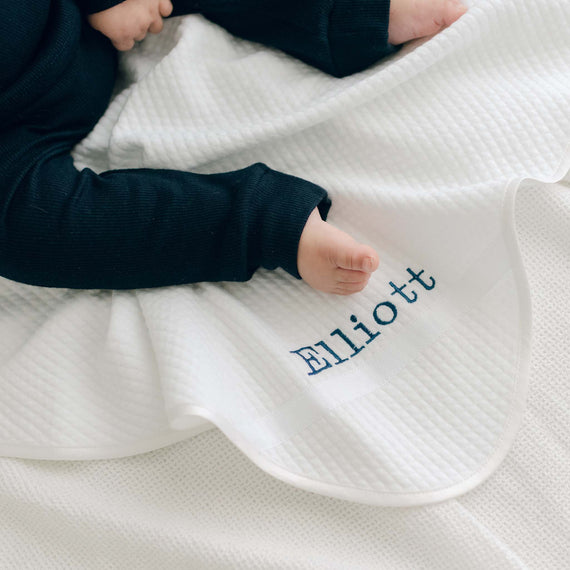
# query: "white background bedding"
(202, 505)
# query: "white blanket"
(422, 155)
(201, 504)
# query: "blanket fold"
(407, 393)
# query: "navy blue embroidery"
(339, 360)
(363, 327)
(384, 314)
(348, 341)
(392, 308)
(400, 291)
(310, 359)
(416, 277)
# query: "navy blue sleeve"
(120, 229)
(141, 228)
(93, 6)
(147, 228)
(339, 37)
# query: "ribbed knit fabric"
(93, 6)
(147, 228)
(355, 47)
(340, 37)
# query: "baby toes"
(349, 276)
(353, 284)
(451, 12)
(349, 288)
(357, 257)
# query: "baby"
(328, 259)
(131, 20)
(147, 228)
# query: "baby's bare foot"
(411, 19)
(331, 261)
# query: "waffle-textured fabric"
(408, 393)
(201, 504)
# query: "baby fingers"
(124, 44)
(165, 8)
(156, 26)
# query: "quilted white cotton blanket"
(407, 393)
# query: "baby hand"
(411, 19)
(130, 21)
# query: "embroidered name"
(384, 314)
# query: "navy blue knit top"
(140, 228)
